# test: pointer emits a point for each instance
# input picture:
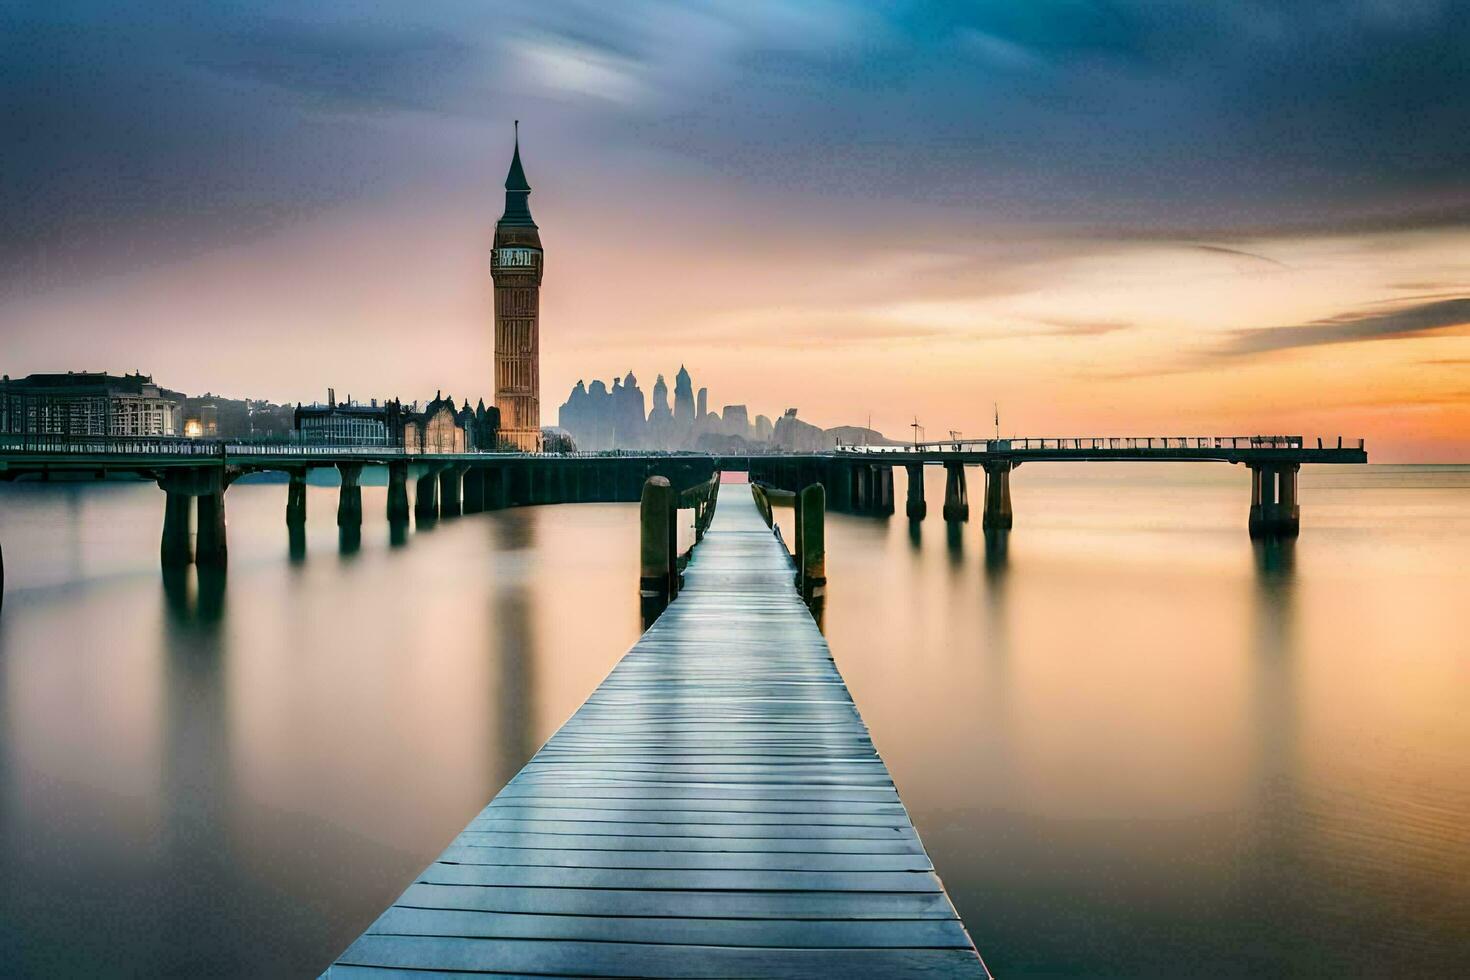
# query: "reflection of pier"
(715, 809)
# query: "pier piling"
(296, 498)
(956, 495)
(397, 493)
(349, 500)
(917, 508)
(997, 513)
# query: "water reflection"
(1275, 727)
(198, 788)
(997, 551)
(397, 533)
(296, 548)
(349, 540)
(954, 540)
(916, 534)
(515, 640)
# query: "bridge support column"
(449, 487)
(956, 496)
(862, 496)
(177, 547)
(849, 493)
(426, 497)
(296, 498)
(997, 496)
(397, 493)
(1289, 514)
(495, 488)
(1274, 509)
(917, 508)
(181, 487)
(349, 500)
(210, 546)
(885, 489)
(472, 490)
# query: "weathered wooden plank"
(767, 933)
(892, 828)
(697, 879)
(566, 857)
(687, 904)
(648, 960)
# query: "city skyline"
(1079, 223)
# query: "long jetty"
(715, 809)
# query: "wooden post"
(811, 513)
(658, 540)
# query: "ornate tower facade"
(515, 265)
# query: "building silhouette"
(516, 267)
(684, 411)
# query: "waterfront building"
(89, 404)
(516, 268)
(439, 428)
(349, 423)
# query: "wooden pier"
(715, 809)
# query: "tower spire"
(517, 190)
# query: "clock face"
(515, 258)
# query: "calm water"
(1134, 744)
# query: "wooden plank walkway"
(715, 809)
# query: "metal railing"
(1092, 443)
(181, 446)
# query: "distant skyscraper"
(683, 398)
(516, 266)
(660, 408)
(701, 405)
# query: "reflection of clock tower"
(515, 265)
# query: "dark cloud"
(1370, 324)
(133, 127)
(357, 66)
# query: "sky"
(1109, 218)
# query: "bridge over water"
(715, 809)
(195, 475)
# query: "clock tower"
(515, 266)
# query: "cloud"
(1372, 324)
(574, 69)
(1083, 328)
(360, 65)
(1241, 253)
